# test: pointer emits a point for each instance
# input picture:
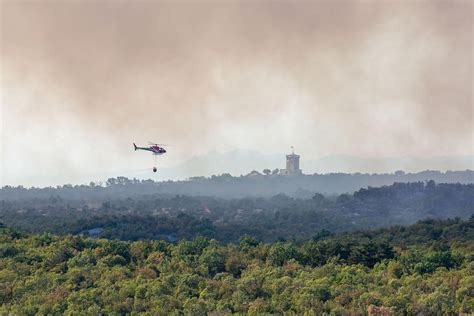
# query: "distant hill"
(241, 162)
(171, 217)
(253, 184)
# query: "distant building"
(292, 165)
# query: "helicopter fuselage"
(155, 149)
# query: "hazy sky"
(82, 80)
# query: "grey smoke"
(82, 80)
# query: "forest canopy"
(254, 184)
(425, 269)
(280, 217)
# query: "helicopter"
(156, 150)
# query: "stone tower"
(292, 165)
